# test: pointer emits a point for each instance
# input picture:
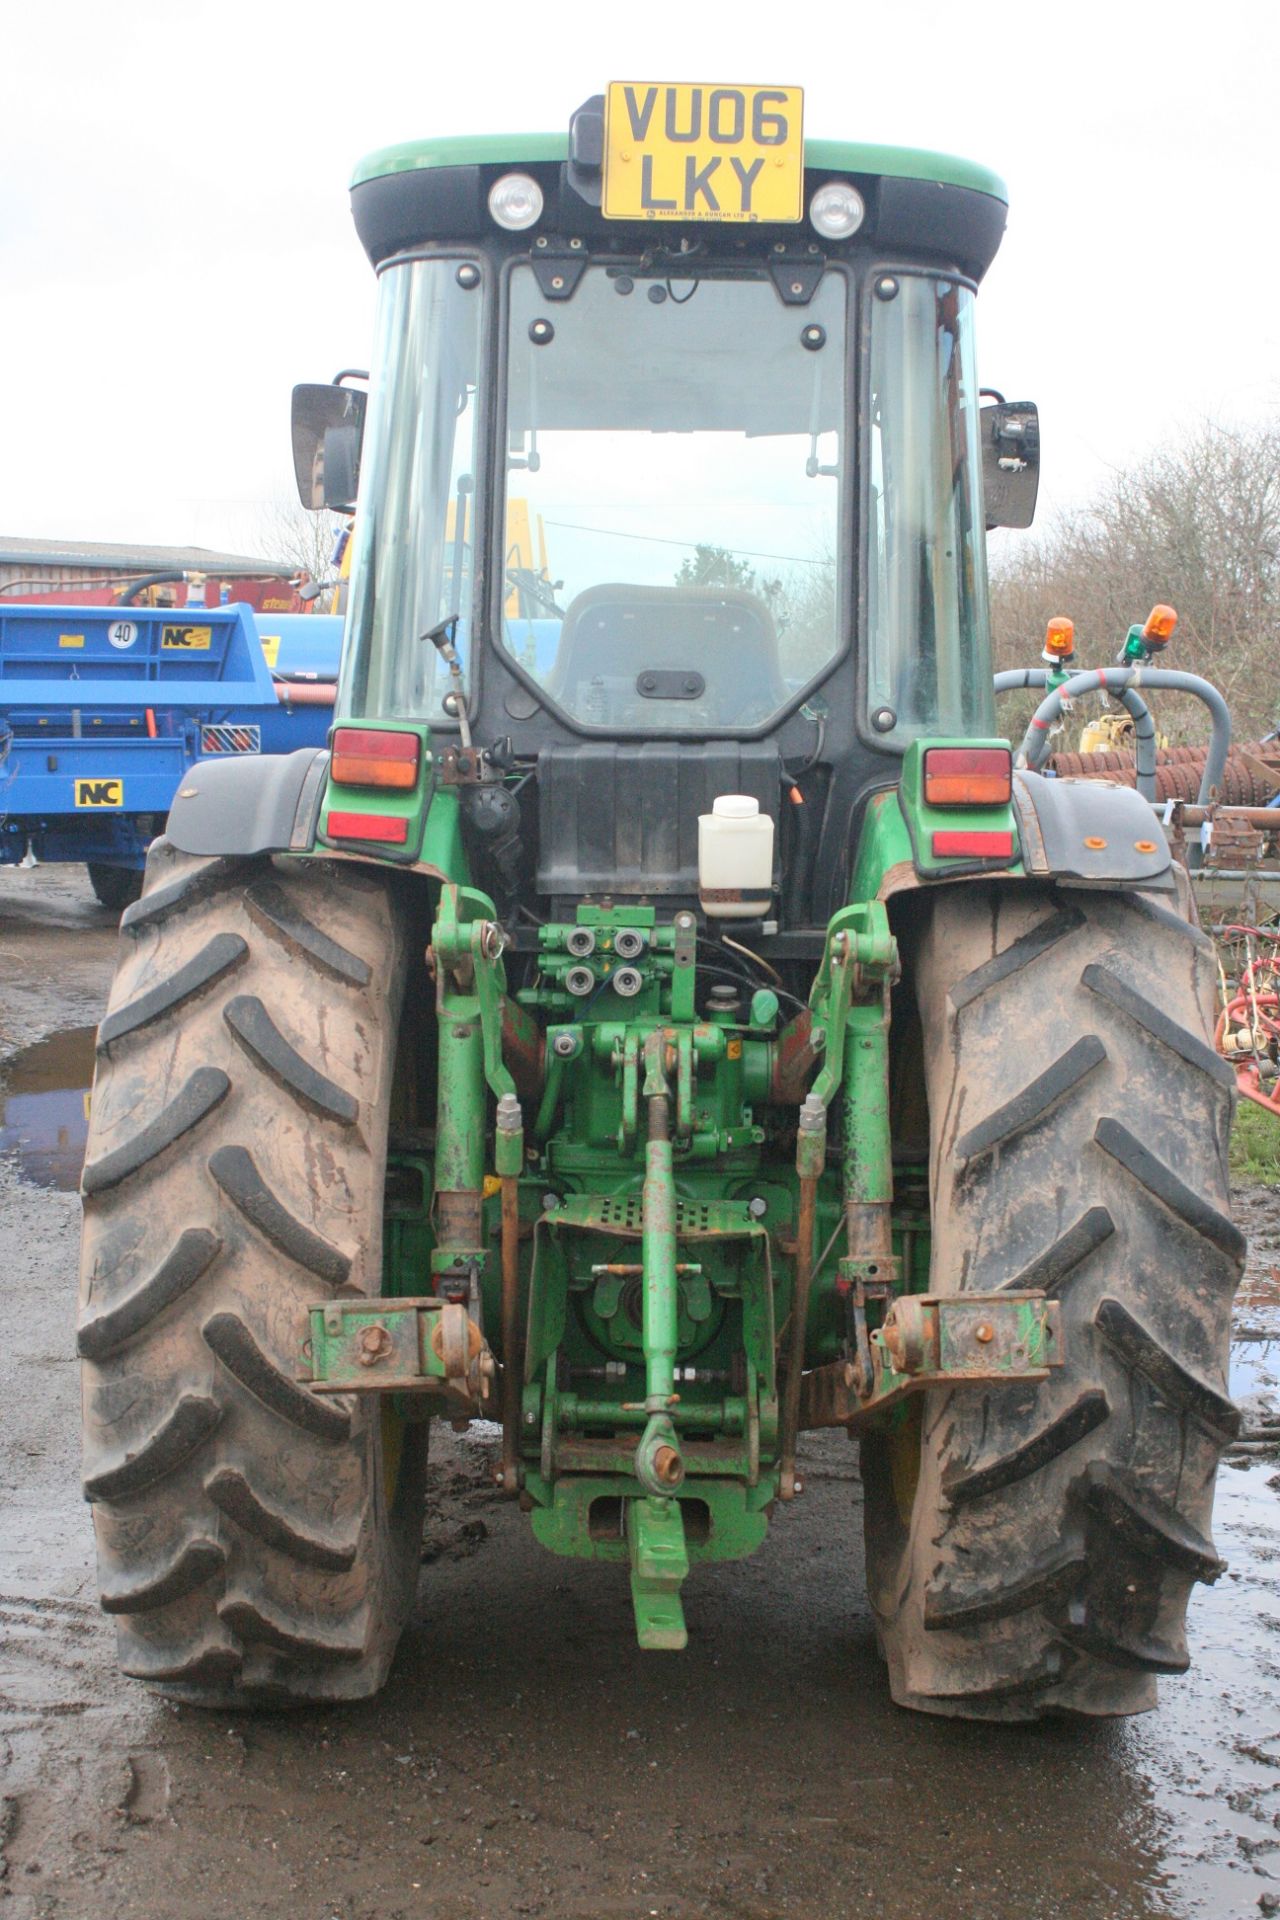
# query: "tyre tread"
(231, 1492)
(166, 1448)
(216, 958)
(114, 1327)
(230, 1339)
(236, 1172)
(264, 1043)
(1181, 1200)
(1034, 1104)
(204, 1091)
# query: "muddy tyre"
(115, 887)
(1033, 1550)
(257, 1543)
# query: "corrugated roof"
(15, 552)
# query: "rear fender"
(1086, 833)
(1090, 833)
(250, 804)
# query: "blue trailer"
(104, 709)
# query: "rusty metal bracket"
(399, 1346)
(462, 767)
(862, 1282)
(928, 1340)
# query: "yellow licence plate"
(703, 153)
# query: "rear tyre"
(116, 887)
(1032, 1550)
(257, 1543)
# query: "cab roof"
(828, 156)
(920, 206)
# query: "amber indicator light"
(968, 777)
(367, 826)
(367, 757)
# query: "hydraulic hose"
(1117, 680)
(1144, 727)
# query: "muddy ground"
(526, 1759)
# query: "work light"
(515, 201)
(837, 210)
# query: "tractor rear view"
(663, 1021)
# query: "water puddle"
(44, 1108)
(1211, 1756)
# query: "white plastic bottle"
(735, 859)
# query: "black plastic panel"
(399, 210)
(623, 819)
(252, 804)
(1090, 832)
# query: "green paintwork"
(561, 1517)
(333, 1348)
(412, 806)
(883, 844)
(923, 821)
(1138, 651)
(528, 149)
(442, 845)
(657, 1274)
(407, 1234)
(858, 943)
(462, 150)
(659, 1564)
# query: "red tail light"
(973, 846)
(968, 777)
(367, 826)
(369, 757)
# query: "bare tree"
(1196, 525)
(289, 531)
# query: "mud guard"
(1091, 833)
(265, 804)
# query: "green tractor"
(664, 1021)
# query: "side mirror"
(328, 426)
(1010, 462)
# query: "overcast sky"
(176, 247)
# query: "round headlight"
(836, 210)
(515, 201)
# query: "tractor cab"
(674, 427)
